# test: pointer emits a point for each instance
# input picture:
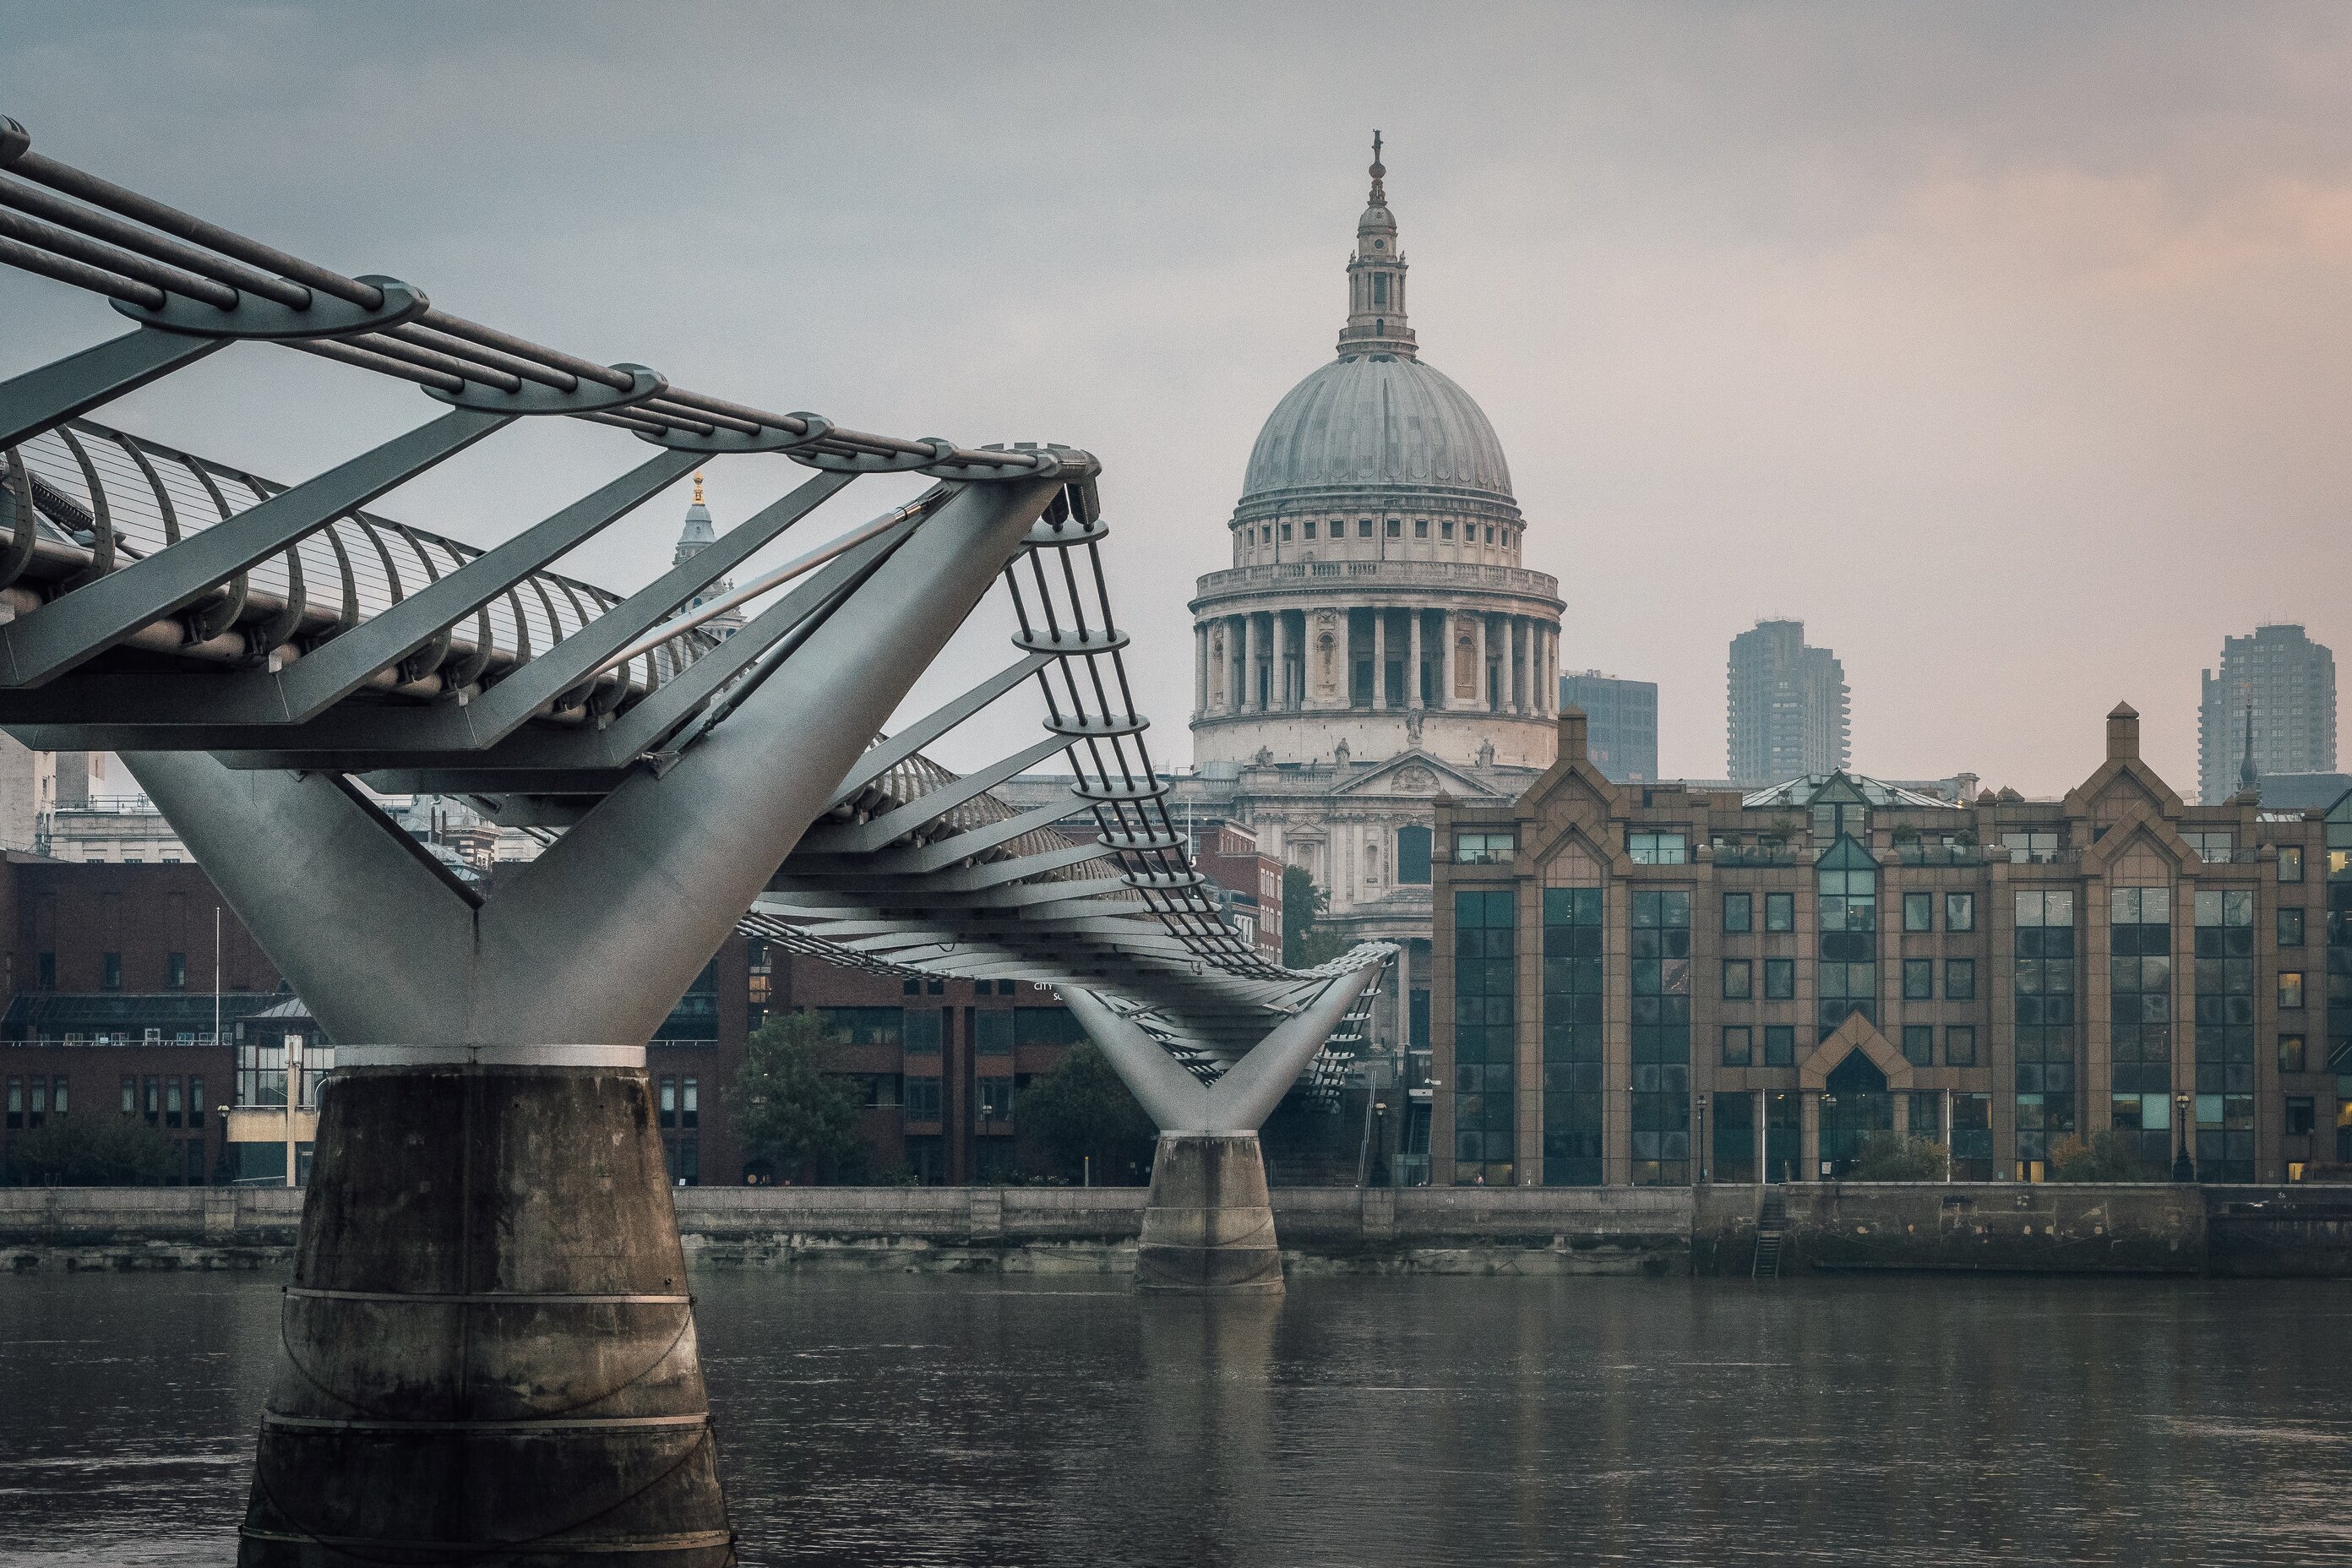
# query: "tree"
(1893, 1157)
(790, 1108)
(92, 1152)
(2109, 1156)
(1305, 944)
(1081, 1111)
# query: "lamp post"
(1699, 1163)
(2184, 1167)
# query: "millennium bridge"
(488, 1352)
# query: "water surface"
(911, 1419)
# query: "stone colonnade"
(1277, 662)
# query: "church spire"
(1376, 319)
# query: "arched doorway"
(1855, 1103)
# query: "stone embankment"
(2267, 1232)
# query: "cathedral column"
(1380, 660)
(1485, 686)
(1521, 641)
(1412, 660)
(1277, 675)
(1200, 670)
(1249, 664)
(1444, 659)
(1548, 694)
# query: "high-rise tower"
(1786, 714)
(2283, 684)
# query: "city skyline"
(1907, 329)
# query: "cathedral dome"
(1383, 421)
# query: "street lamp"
(1700, 1163)
(2184, 1168)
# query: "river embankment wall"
(2256, 1232)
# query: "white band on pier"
(490, 1055)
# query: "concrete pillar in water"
(488, 1350)
(1208, 1224)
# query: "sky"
(2006, 346)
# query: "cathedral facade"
(1375, 644)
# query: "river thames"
(916, 1420)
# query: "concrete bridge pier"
(1208, 1223)
(489, 1352)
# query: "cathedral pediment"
(1420, 776)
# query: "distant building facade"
(1621, 718)
(2279, 685)
(1654, 985)
(1788, 713)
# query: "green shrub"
(92, 1152)
(1893, 1157)
(2111, 1155)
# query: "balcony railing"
(1396, 574)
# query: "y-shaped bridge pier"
(488, 1347)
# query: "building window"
(1421, 527)
(869, 1026)
(15, 1102)
(1572, 989)
(1779, 911)
(57, 1094)
(1918, 979)
(1849, 935)
(45, 972)
(173, 1110)
(992, 1099)
(130, 1096)
(1738, 1044)
(1959, 979)
(1780, 1045)
(1286, 533)
(1445, 530)
(1396, 526)
(175, 972)
(1918, 911)
(2224, 1035)
(2301, 1116)
(668, 1116)
(1920, 1044)
(2290, 863)
(1412, 855)
(1661, 1004)
(1738, 913)
(2290, 927)
(151, 1100)
(922, 1098)
(2044, 976)
(1658, 848)
(1738, 980)
(110, 972)
(1484, 1020)
(1972, 1137)
(2290, 1053)
(1484, 848)
(1959, 911)
(196, 1100)
(2213, 847)
(1780, 979)
(1310, 527)
(2290, 989)
(689, 1104)
(1960, 1046)
(2139, 964)
(2036, 846)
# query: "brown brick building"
(110, 1006)
(1653, 984)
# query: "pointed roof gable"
(1856, 1034)
(1397, 776)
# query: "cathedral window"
(1421, 527)
(1310, 527)
(1364, 529)
(1490, 533)
(1396, 527)
(1380, 289)
(1445, 530)
(1286, 533)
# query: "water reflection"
(919, 1420)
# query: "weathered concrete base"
(1208, 1224)
(488, 1352)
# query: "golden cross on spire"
(697, 489)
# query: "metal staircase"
(1771, 1230)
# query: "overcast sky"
(2006, 346)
